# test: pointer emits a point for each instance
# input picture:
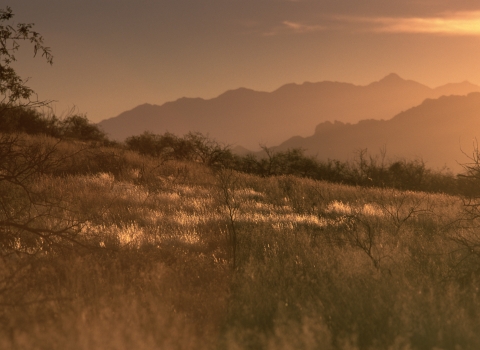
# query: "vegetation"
(105, 248)
(13, 89)
(171, 242)
(192, 147)
(366, 170)
(34, 122)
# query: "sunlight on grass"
(369, 209)
(318, 266)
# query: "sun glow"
(459, 23)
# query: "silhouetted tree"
(31, 220)
(79, 127)
(13, 89)
(207, 150)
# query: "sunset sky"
(112, 55)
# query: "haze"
(112, 55)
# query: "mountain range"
(442, 132)
(248, 118)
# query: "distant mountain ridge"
(247, 118)
(439, 131)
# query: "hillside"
(436, 131)
(103, 248)
(247, 118)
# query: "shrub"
(29, 121)
(79, 127)
(193, 146)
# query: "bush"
(193, 147)
(32, 219)
(162, 146)
(33, 122)
(29, 121)
(367, 171)
(79, 127)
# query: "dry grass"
(319, 266)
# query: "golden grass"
(320, 266)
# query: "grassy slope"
(318, 265)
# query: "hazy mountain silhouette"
(248, 118)
(436, 131)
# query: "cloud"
(294, 27)
(447, 23)
(302, 28)
(458, 23)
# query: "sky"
(113, 55)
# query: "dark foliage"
(34, 122)
(366, 171)
(193, 147)
(13, 89)
(29, 121)
(79, 127)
